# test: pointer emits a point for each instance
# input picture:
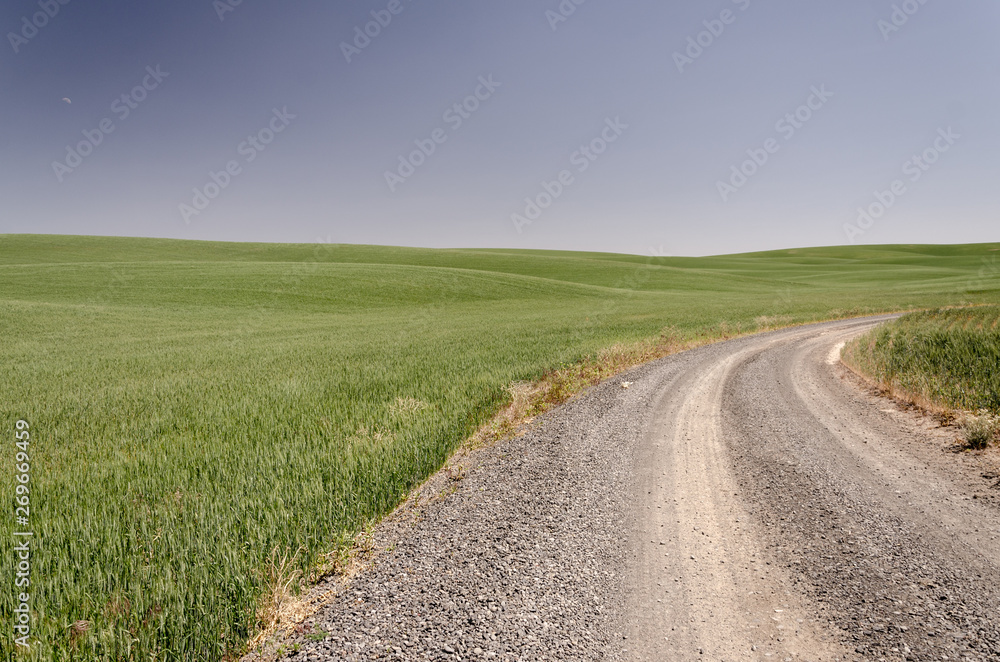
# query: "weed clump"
(980, 428)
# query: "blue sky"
(684, 128)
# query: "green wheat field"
(949, 358)
(200, 410)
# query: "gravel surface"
(870, 504)
(746, 500)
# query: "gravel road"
(748, 500)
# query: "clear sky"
(685, 128)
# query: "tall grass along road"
(946, 360)
(211, 424)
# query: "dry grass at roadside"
(528, 400)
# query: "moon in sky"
(67, 100)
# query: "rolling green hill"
(200, 409)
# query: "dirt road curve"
(743, 501)
(784, 513)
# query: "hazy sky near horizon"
(682, 128)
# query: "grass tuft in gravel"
(980, 428)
